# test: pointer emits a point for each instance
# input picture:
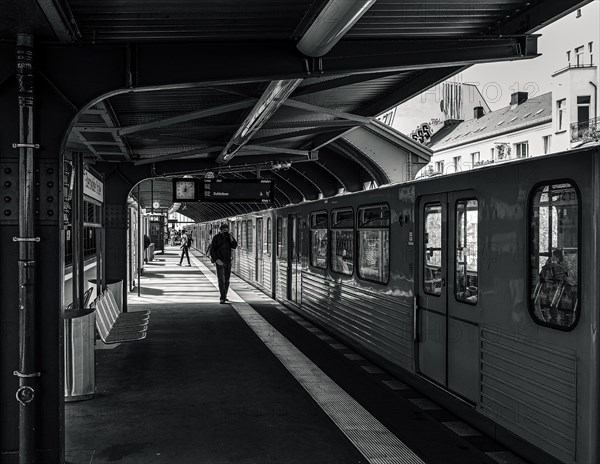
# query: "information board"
(236, 190)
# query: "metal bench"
(115, 326)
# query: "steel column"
(27, 371)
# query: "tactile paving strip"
(376, 443)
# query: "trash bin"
(79, 356)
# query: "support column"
(27, 373)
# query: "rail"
(586, 131)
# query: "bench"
(115, 326)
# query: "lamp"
(271, 99)
(331, 24)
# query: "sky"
(497, 81)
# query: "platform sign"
(237, 190)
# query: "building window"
(590, 49)
(522, 149)
(466, 251)
(439, 167)
(374, 243)
(579, 56)
(547, 139)
(561, 106)
(554, 258)
(318, 240)
(492, 153)
(475, 158)
(342, 241)
(569, 56)
(457, 163)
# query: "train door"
(448, 350)
(260, 264)
(293, 266)
(432, 294)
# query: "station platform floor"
(251, 382)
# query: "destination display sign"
(236, 190)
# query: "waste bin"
(79, 356)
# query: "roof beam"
(188, 117)
(538, 15)
(293, 135)
(320, 109)
(286, 151)
(198, 152)
(359, 55)
(61, 19)
(343, 81)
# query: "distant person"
(185, 245)
(220, 254)
(146, 245)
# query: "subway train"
(480, 288)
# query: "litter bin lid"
(107, 281)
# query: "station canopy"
(288, 90)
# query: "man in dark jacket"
(220, 254)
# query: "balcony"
(585, 131)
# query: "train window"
(249, 234)
(374, 243)
(318, 240)
(243, 234)
(342, 241)
(432, 269)
(554, 255)
(466, 282)
(269, 237)
(279, 236)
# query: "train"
(479, 288)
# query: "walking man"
(185, 245)
(220, 254)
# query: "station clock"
(185, 190)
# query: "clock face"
(185, 190)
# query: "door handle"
(443, 282)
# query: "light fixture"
(271, 99)
(329, 27)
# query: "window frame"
(561, 112)
(530, 197)
(521, 144)
(357, 240)
(466, 200)
(332, 230)
(310, 239)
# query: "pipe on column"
(27, 371)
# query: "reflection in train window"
(466, 251)
(554, 259)
(374, 243)
(432, 268)
(342, 241)
(269, 232)
(318, 240)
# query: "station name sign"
(236, 190)
(92, 186)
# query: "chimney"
(518, 97)
(478, 112)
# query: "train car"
(474, 287)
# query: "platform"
(251, 382)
